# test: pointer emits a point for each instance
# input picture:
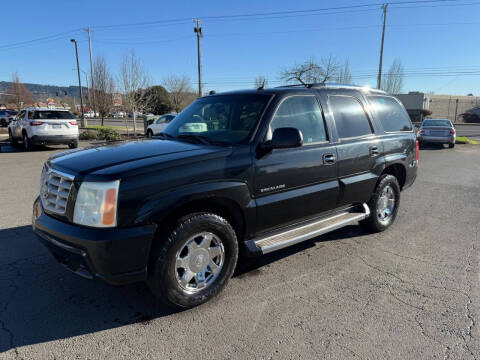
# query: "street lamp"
(79, 83)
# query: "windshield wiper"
(200, 138)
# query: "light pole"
(83, 122)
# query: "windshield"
(223, 118)
(53, 115)
(437, 123)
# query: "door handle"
(374, 151)
(329, 159)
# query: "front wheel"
(195, 262)
(383, 204)
(13, 141)
(149, 133)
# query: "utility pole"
(83, 122)
(456, 110)
(198, 30)
(379, 80)
(92, 89)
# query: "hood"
(112, 159)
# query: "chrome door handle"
(374, 151)
(329, 159)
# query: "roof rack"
(333, 85)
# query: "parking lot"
(411, 292)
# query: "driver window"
(303, 113)
(30, 115)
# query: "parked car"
(6, 117)
(91, 114)
(118, 114)
(270, 168)
(440, 131)
(42, 126)
(157, 126)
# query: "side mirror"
(284, 138)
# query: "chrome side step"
(307, 231)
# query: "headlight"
(96, 204)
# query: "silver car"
(440, 131)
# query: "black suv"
(245, 171)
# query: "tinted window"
(223, 118)
(391, 114)
(446, 123)
(303, 113)
(53, 115)
(350, 118)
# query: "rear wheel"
(73, 145)
(383, 204)
(451, 146)
(196, 261)
(27, 143)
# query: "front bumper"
(119, 256)
(53, 139)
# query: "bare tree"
(134, 81)
(393, 80)
(104, 87)
(311, 71)
(18, 94)
(344, 76)
(260, 82)
(179, 90)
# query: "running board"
(269, 243)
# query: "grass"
(465, 140)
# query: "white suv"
(42, 126)
(159, 125)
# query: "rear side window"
(303, 113)
(53, 115)
(349, 116)
(391, 114)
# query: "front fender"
(161, 205)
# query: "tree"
(158, 100)
(344, 76)
(134, 81)
(311, 72)
(180, 91)
(392, 82)
(104, 87)
(18, 94)
(260, 82)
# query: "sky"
(436, 41)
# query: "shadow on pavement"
(41, 301)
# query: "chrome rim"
(386, 205)
(199, 262)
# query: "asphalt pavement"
(411, 292)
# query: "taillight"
(421, 132)
(74, 123)
(417, 151)
(36, 123)
(452, 131)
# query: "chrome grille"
(54, 190)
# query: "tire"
(13, 141)
(27, 144)
(149, 133)
(451, 146)
(375, 222)
(73, 145)
(169, 281)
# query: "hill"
(42, 92)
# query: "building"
(420, 105)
